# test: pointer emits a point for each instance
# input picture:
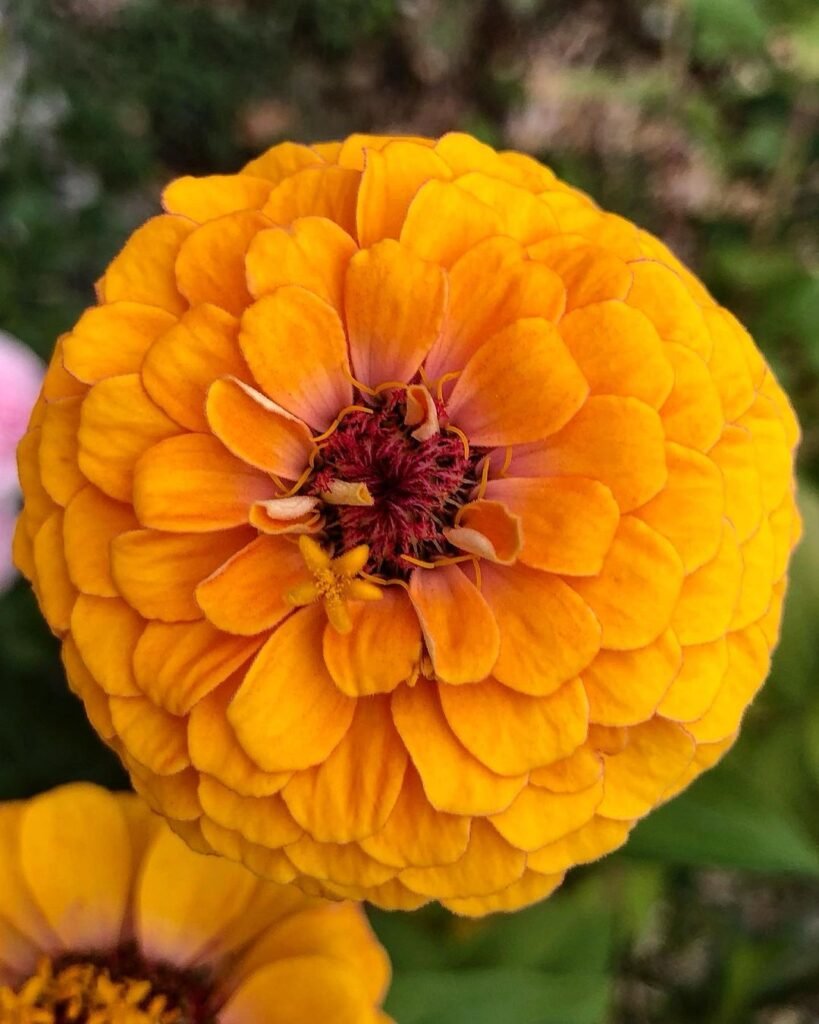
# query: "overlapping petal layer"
(565, 471)
(108, 916)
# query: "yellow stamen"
(84, 992)
(336, 581)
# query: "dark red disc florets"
(417, 486)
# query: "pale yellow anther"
(335, 581)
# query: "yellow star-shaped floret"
(334, 581)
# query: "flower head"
(108, 917)
(412, 525)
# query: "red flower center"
(417, 486)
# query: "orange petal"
(636, 779)
(735, 455)
(748, 664)
(697, 683)
(538, 817)
(263, 820)
(636, 591)
(318, 192)
(382, 649)
(181, 365)
(295, 345)
(689, 509)
(257, 430)
(415, 834)
(193, 484)
(692, 413)
(390, 180)
(297, 514)
(92, 521)
(215, 195)
(568, 523)
(659, 293)
(625, 687)
(728, 365)
(548, 634)
(454, 781)
(84, 892)
(758, 555)
(589, 273)
(344, 863)
(57, 383)
(464, 153)
(458, 626)
(511, 732)
(118, 423)
(490, 864)
(767, 426)
(157, 573)
(313, 253)
(487, 529)
(616, 441)
(215, 750)
(247, 594)
(619, 352)
(354, 150)
(523, 216)
(581, 769)
(529, 888)
(709, 595)
(351, 794)
(395, 304)
(211, 262)
(443, 221)
(281, 161)
(177, 664)
(155, 738)
(144, 269)
(59, 471)
(55, 591)
(288, 714)
(490, 287)
(106, 631)
(522, 385)
(591, 841)
(38, 502)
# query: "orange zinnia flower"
(412, 525)
(108, 917)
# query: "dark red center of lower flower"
(417, 486)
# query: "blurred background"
(697, 119)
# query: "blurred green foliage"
(698, 119)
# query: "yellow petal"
(697, 683)
(523, 216)
(351, 794)
(59, 469)
(658, 292)
(118, 423)
(635, 593)
(537, 817)
(512, 732)
(106, 631)
(443, 221)
(522, 385)
(395, 305)
(176, 664)
(281, 161)
(692, 413)
(182, 364)
(193, 484)
(591, 841)
(709, 595)
(548, 634)
(288, 714)
(157, 573)
(589, 273)
(184, 900)
(458, 626)
(295, 345)
(529, 888)
(211, 263)
(381, 650)
(83, 892)
(454, 781)
(155, 738)
(735, 455)
(20, 909)
(316, 192)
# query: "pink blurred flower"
(21, 374)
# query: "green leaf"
(714, 824)
(498, 994)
